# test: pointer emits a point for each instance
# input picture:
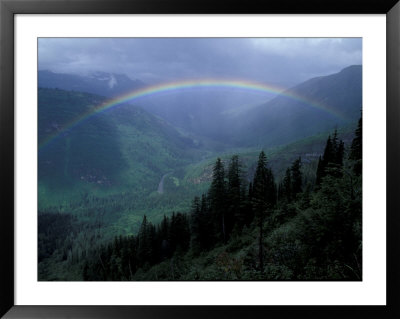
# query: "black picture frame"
(8, 8)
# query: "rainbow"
(184, 85)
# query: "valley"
(101, 172)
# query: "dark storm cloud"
(283, 61)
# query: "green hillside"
(119, 151)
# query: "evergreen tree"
(336, 158)
(164, 228)
(356, 149)
(144, 252)
(263, 199)
(196, 225)
(207, 224)
(271, 195)
(329, 153)
(179, 233)
(235, 210)
(335, 141)
(320, 171)
(340, 154)
(244, 206)
(162, 232)
(152, 255)
(296, 185)
(332, 161)
(217, 196)
(286, 188)
(249, 211)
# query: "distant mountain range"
(320, 104)
(100, 83)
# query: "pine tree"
(336, 159)
(332, 161)
(249, 211)
(144, 252)
(329, 150)
(286, 188)
(356, 149)
(164, 227)
(217, 196)
(335, 140)
(272, 189)
(207, 229)
(340, 154)
(172, 235)
(196, 225)
(151, 237)
(263, 199)
(297, 181)
(320, 171)
(163, 243)
(234, 195)
(179, 233)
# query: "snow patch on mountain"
(112, 82)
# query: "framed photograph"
(167, 159)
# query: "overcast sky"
(280, 61)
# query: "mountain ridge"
(97, 82)
(277, 121)
(284, 119)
